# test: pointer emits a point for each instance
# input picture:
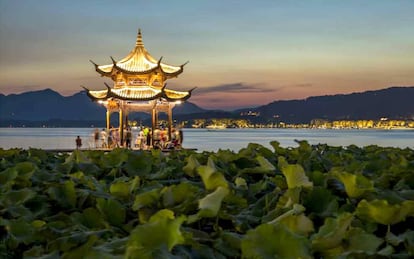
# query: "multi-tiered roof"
(139, 77)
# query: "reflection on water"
(204, 140)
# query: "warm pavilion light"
(139, 86)
(142, 88)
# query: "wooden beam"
(153, 121)
(156, 118)
(108, 117)
(126, 120)
(121, 127)
(170, 120)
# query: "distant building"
(250, 113)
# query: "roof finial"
(139, 42)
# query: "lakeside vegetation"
(308, 201)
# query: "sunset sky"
(241, 53)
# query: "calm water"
(204, 140)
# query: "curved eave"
(175, 73)
(97, 95)
(158, 68)
(172, 74)
(161, 67)
(101, 71)
(139, 62)
(129, 72)
(171, 95)
(134, 97)
(114, 95)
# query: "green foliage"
(332, 233)
(64, 194)
(380, 211)
(295, 175)
(311, 201)
(191, 166)
(211, 177)
(274, 241)
(210, 205)
(162, 232)
(295, 220)
(355, 184)
(112, 210)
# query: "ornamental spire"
(139, 42)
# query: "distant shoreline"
(205, 140)
(262, 127)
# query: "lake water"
(205, 140)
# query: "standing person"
(78, 141)
(161, 138)
(156, 138)
(146, 132)
(110, 138)
(141, 140)
(174, 137)
(115, 137)
(177, 138)
(149, 133)
(96, 137)
(128, 138)
(104, 138)
(181, 137)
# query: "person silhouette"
(78, 141)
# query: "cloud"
(290, 86)
(234, 88)
(242, 88)
(214, 100)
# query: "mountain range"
(393, 103)
(37, 108)
(78, 110)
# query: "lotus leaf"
(210, 176)
(355, 184)
(320, 201)
(191, 167)
(112, 209)
(360, 241)
(331, 234)
(274, 241)
(295, 175)
(380, 211)
(210, 205)
(120, 189)
(64, 194)
(161, 232)
(148, 198)
(295, 220)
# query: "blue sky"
(241, 53)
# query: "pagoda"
(139, 85)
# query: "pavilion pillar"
(156, 119)
(153, 122)
(121, 128)
(126, 120)
(169, 121)
(108, 116)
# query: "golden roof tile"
(139, 61)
